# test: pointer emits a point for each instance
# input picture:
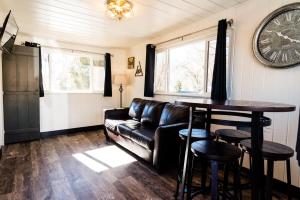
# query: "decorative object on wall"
(131, 62)
(121, 79)
(119, 9)
(276, 42)
(139, 70)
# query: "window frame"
(207, 39)
(91, 56)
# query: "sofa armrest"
(166, 146)
(116, 113)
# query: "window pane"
(98, 79)
(187, 66)
(45, 70)
(211, 61)
(69, 72)
(98, 62)
(160, 83)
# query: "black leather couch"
(149, 129)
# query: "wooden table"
(257, 109)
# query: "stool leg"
(214, 180)
(190, 176)
(269, 179)
(204, 174)
(225, 184)
(288, 175)
(237, 183)
(242, 159)
(179, 170)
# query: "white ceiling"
(86, 22)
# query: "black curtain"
(298, 142)
(42, 93)
(218, 91)
(149, 71)
(107, 80)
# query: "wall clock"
(276, 42)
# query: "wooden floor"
(48, 169)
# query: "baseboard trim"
(281, 186)
(70, 131)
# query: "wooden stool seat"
(232, 136)
(216, 151)
(197, 134)
(271, 150)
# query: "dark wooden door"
(21, 94)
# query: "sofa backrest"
(136, 108)
(173, 114)
(152, 112)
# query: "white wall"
(250, 79)
(63, 111)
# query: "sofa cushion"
(136, 108)
(126, 128)
(144, 136)
(173, 114)
(113, 123)
(152, 112)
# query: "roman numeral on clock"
(274, 56)
(288, 16)
(266, 50)
(277, 22)
(265, 41)
(284, 57)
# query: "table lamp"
(121, 79)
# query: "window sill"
(184, 94)
(74, 92)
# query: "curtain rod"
(229, 22)
(74, 50)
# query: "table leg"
(258, 162)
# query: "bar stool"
(197, 134)
(217, 153)
(271, 152)
(233, 136)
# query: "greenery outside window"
(187, 68)
(68, 72)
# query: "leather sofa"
(148, 129)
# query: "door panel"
(21, 95)
(9, 73)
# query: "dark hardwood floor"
(67, 167)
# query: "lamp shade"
(120, 79)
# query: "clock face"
(277, 41)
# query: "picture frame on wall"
(139, 70)
(131, 63)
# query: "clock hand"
(286, 37)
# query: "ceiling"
(86, 22)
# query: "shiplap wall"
(250, 80)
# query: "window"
(65, 71)
(186, 69)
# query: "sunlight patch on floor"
(111, 156)
(90, 163)
(104, 158)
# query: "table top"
(237, 105)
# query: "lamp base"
(121, 91)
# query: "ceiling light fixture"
(119, 9)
